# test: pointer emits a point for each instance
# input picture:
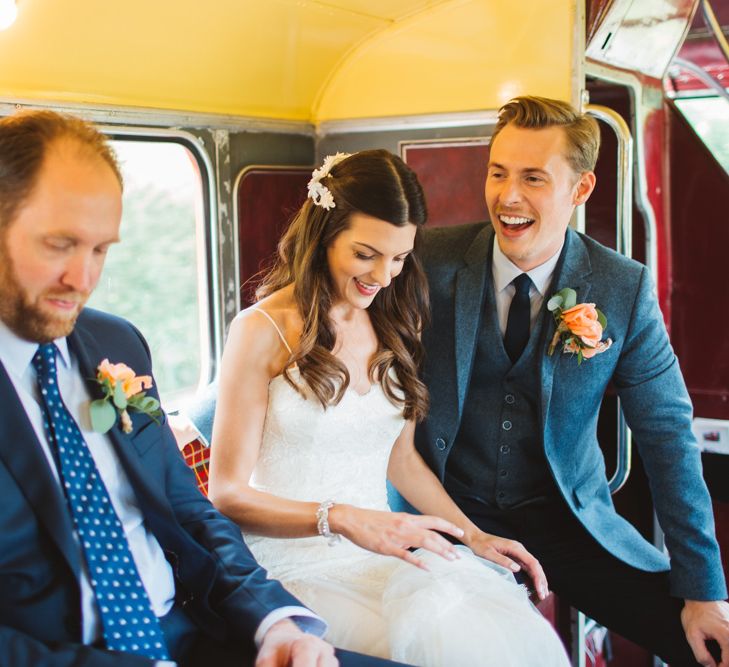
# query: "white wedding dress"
(462, 613)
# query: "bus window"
(156, 276)
(709, 118)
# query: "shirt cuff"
(306, 619)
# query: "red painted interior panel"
(701, 48)
(266, 197)
(453, 176)
(596, 11)
(699, 201)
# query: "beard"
(25, 315)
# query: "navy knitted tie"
(127, 618)
(517, 325)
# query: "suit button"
(503, 473)
(505, 449)
(506, 425)
(509, 398)
(440, 444)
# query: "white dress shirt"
(504, 271)
(16, 356)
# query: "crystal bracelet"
(322, 523)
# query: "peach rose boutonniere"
(123, 391)
(579, 326)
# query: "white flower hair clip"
(318, 193)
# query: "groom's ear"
(584, 187)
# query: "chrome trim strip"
(634, 84)
(415, 122)
(153, 117)
(624, 245)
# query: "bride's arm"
(253, 355)
(422, 489)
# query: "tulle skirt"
(462, 613)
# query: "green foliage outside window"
(151, 277)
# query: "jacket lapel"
(89, 355)
(470, 284)
(23, 456)
(573, 270)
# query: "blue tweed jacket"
(641, 365)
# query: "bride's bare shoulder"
(272, 318)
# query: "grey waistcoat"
(498, 456)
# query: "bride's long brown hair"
(379, 184)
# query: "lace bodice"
(313, 454)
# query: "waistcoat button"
(505, 449)
(506, 425)
(509, 398)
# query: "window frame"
(210, 325)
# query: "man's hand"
(510, 554)
(703, 621)
(285, 645)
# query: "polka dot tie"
(127, 618)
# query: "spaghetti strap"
(275, 326)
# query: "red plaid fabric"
(197, 457)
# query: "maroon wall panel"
(453, 175)
(699, 202)
(701, 48)
(267, 198)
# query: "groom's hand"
(703, 621)
(285, 645)
(509, 554)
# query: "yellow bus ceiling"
(289, 59)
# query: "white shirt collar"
(504, 270)
(16, 353)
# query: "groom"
(512, 430)
(109, 555)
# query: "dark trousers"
(631, 602)
(190, 648)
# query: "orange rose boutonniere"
(123, 391)
(579, 326)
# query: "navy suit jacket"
(641, 365)
(217, 580)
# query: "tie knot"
(522, 283)
(44, 360)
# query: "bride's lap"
(455, 613)
(353, 612)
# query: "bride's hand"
(510, 554)
(393, 533)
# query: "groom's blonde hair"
(581, 131)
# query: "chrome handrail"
(713, 25)
(624, 245)
(701, 74)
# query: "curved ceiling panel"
(287, 59)
(459, 56)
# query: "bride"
(319, 394)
